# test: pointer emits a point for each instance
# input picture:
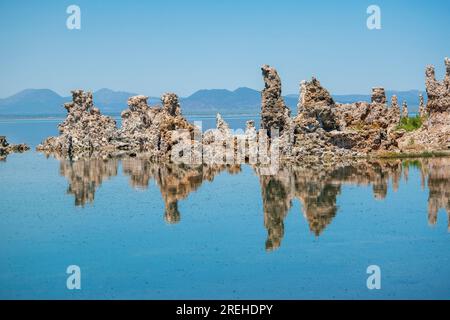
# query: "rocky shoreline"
(322, 132)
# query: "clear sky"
(150, 47)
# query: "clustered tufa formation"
(144, 128)
(438, 91)
(84, 129)
(323, 130)
(151, 129)
(434, 135)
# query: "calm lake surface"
(141, 230)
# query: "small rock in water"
(6, 148)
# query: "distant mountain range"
(411, 97)
(45, 102)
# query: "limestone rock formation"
(222, 126)
(438, 91)
(6, 148)
(144, 129)
(394, 111)
(326, 131)
(219, 144)
(84, 128)
(378, 95)
(250, 129)
(315, 107)
(323, 131)
(312, 94)
(405, 113)
(136, 132)
(422, 108)
(274, 112)
(151, 129)
(434, 135)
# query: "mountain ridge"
(44, 102)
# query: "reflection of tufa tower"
(85, 176)
(439, 186)
(276, 203)
(317, 188)
(175, 182)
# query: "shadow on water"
(317, 189)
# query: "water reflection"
(438, 173)
(175, 182)
(86, 175)
(317, 189)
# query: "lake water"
(141, 230)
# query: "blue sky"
(150, 47)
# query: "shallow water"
(141, 230)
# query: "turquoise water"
(141, 230)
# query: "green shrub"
(410, 124)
